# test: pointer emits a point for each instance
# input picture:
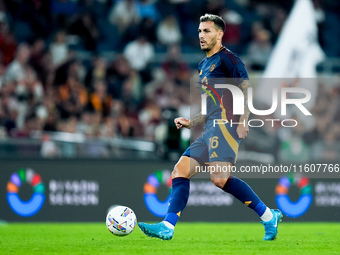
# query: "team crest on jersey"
(212, 67)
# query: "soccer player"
(218, 144)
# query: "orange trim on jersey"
(230, 139)
(223, 113)
(222, 47)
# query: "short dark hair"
(219, 22)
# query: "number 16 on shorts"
(213, 142)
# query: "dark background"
(121, 182)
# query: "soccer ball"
(121, 220)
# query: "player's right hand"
(182, 122)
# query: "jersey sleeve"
(234, 68)
(240, 71)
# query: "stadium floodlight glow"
(154, 205)
(34, 204)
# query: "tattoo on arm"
(244, 86)
(197, 119)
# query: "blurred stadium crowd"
(92, 66)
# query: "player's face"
(207, 34)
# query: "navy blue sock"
(178, 200)
(241, 190)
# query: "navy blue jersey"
(224, 67)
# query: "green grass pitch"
(189, 238)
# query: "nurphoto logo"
(238, 104)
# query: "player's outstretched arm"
(242, 130)
(183, 122)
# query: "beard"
(208, 47)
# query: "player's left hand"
(242, 131)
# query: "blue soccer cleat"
(271, 226)
(158, 230)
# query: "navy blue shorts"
(216, 143)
